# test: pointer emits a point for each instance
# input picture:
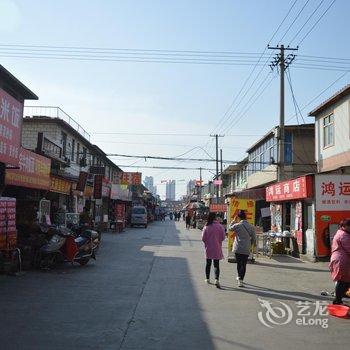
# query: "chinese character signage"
(218, 208)
(248, 205)
(298, 188)
(97, 170)
(120, 192)
(130, 178)
(106, 188)
(332, 192)
(8, 232)
(33, 172)
(83, 176)
(120, 212)
(59, 185)
(98, 186)
(11, 112)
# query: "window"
(85, 156)
(73, 150)
(328, 131)
(288, 148)
(78, 152)
(64, 143)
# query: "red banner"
(106, 188)
(8, 233)
(298, 188)
(11, 113)
(218, 208)
(98, 186)
(33, 172)
(130, 178)
(120, 211)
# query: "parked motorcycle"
(64, 246)
(30, 240)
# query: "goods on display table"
(8, 232)
(10, 256)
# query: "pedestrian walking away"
(213, 235)
(188, 221)
(340, 261)
(244, 239)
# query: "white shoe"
(207, 281)
(239, 282)
(217, 284)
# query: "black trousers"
(241, 260)
(340, 289)
(216, 268)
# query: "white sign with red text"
(332, 192)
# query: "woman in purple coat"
(213, 235)
(340, 261)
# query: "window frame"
(330, 124)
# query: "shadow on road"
(275, 293)
(129, 298)
(288, 267)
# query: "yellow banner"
(235, 205)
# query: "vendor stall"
(290, 203)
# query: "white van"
(139, 216)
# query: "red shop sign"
(33, 172)
(218, 208)
(98, 186)
(120, 211)
(11, 112)
(298, 188)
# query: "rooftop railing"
(55, 112)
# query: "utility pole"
(283, 63)
(217, 163)
(200, 185)
(221, 186)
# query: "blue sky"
(167, 98)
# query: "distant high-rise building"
(170, 190)
(191, 185)
(149, 183)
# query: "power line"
(326, 57)
(119, 50)
(184, 159)
(295, 19)
(222, 122)
(311, 29)
(321, 93)
(307, 21)
(134, 59)
(163, 167)
(152, 144)
(167, 134)
(280, 25)
(257, 94)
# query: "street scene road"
(146, 290)
(174, 175)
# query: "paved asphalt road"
(146, 291)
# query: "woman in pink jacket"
(340, 261)
(213, 234)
